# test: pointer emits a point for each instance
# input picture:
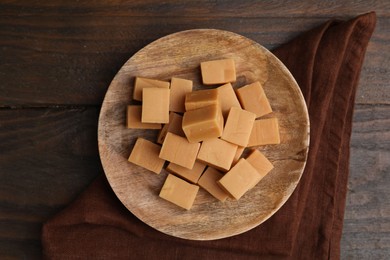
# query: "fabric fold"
(326, 63)
(341, 53)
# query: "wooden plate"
(179, 55)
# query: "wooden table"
(58, 58)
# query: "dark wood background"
(57, 59)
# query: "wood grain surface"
(179, 55)
(61, 56)
(85, 45)
(48, 156)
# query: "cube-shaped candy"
(252, 98)
(133, 119)
(208, 181)
(174, 126)
(260, 162)
(141, 83)
(217, 153)
(238, 126)
(201, 98)
(192, 175)
(203, 123)
(238, 154)
(241, 178)
(155, 105)
(179, 192)
(265, 131)
(227, 98)
(146, 155)
(178, 150)
(179, 89)
(218, 71)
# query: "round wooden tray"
(179, 55)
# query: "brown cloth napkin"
(326, 63)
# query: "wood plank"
(227, 8)
(49, 156)
(366, 232)
(82, 54)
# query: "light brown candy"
(252, 98)
(217, 153)
(146, 155)
(203, 123)
(133, 119)
(179, 192)
(265, 131)
(174, 126)
(238, 126)
(260, 162)
(208, 181)
(155, 105)
(238, 154)
(141, 83)
(191, 175)
(178, 150)
(179, 89)
(201, 98)
(241, 177)
(218, 71)
(227, 98)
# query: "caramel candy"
(238, 154)
(192, 175)
(141, 83)
(203, 123)
(265, 131)
(217, 153)
(218, 71)
(260, 162)
(201, 98)
(178, 150)
(179, 89)
(146, 154)
(238, 126)
(179, 192)
(253, 99)
(227, 98)
(208, 181)
(240, 179)
(133, 119)
(155, 105)
(174, 126)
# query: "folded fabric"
(326, 63)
